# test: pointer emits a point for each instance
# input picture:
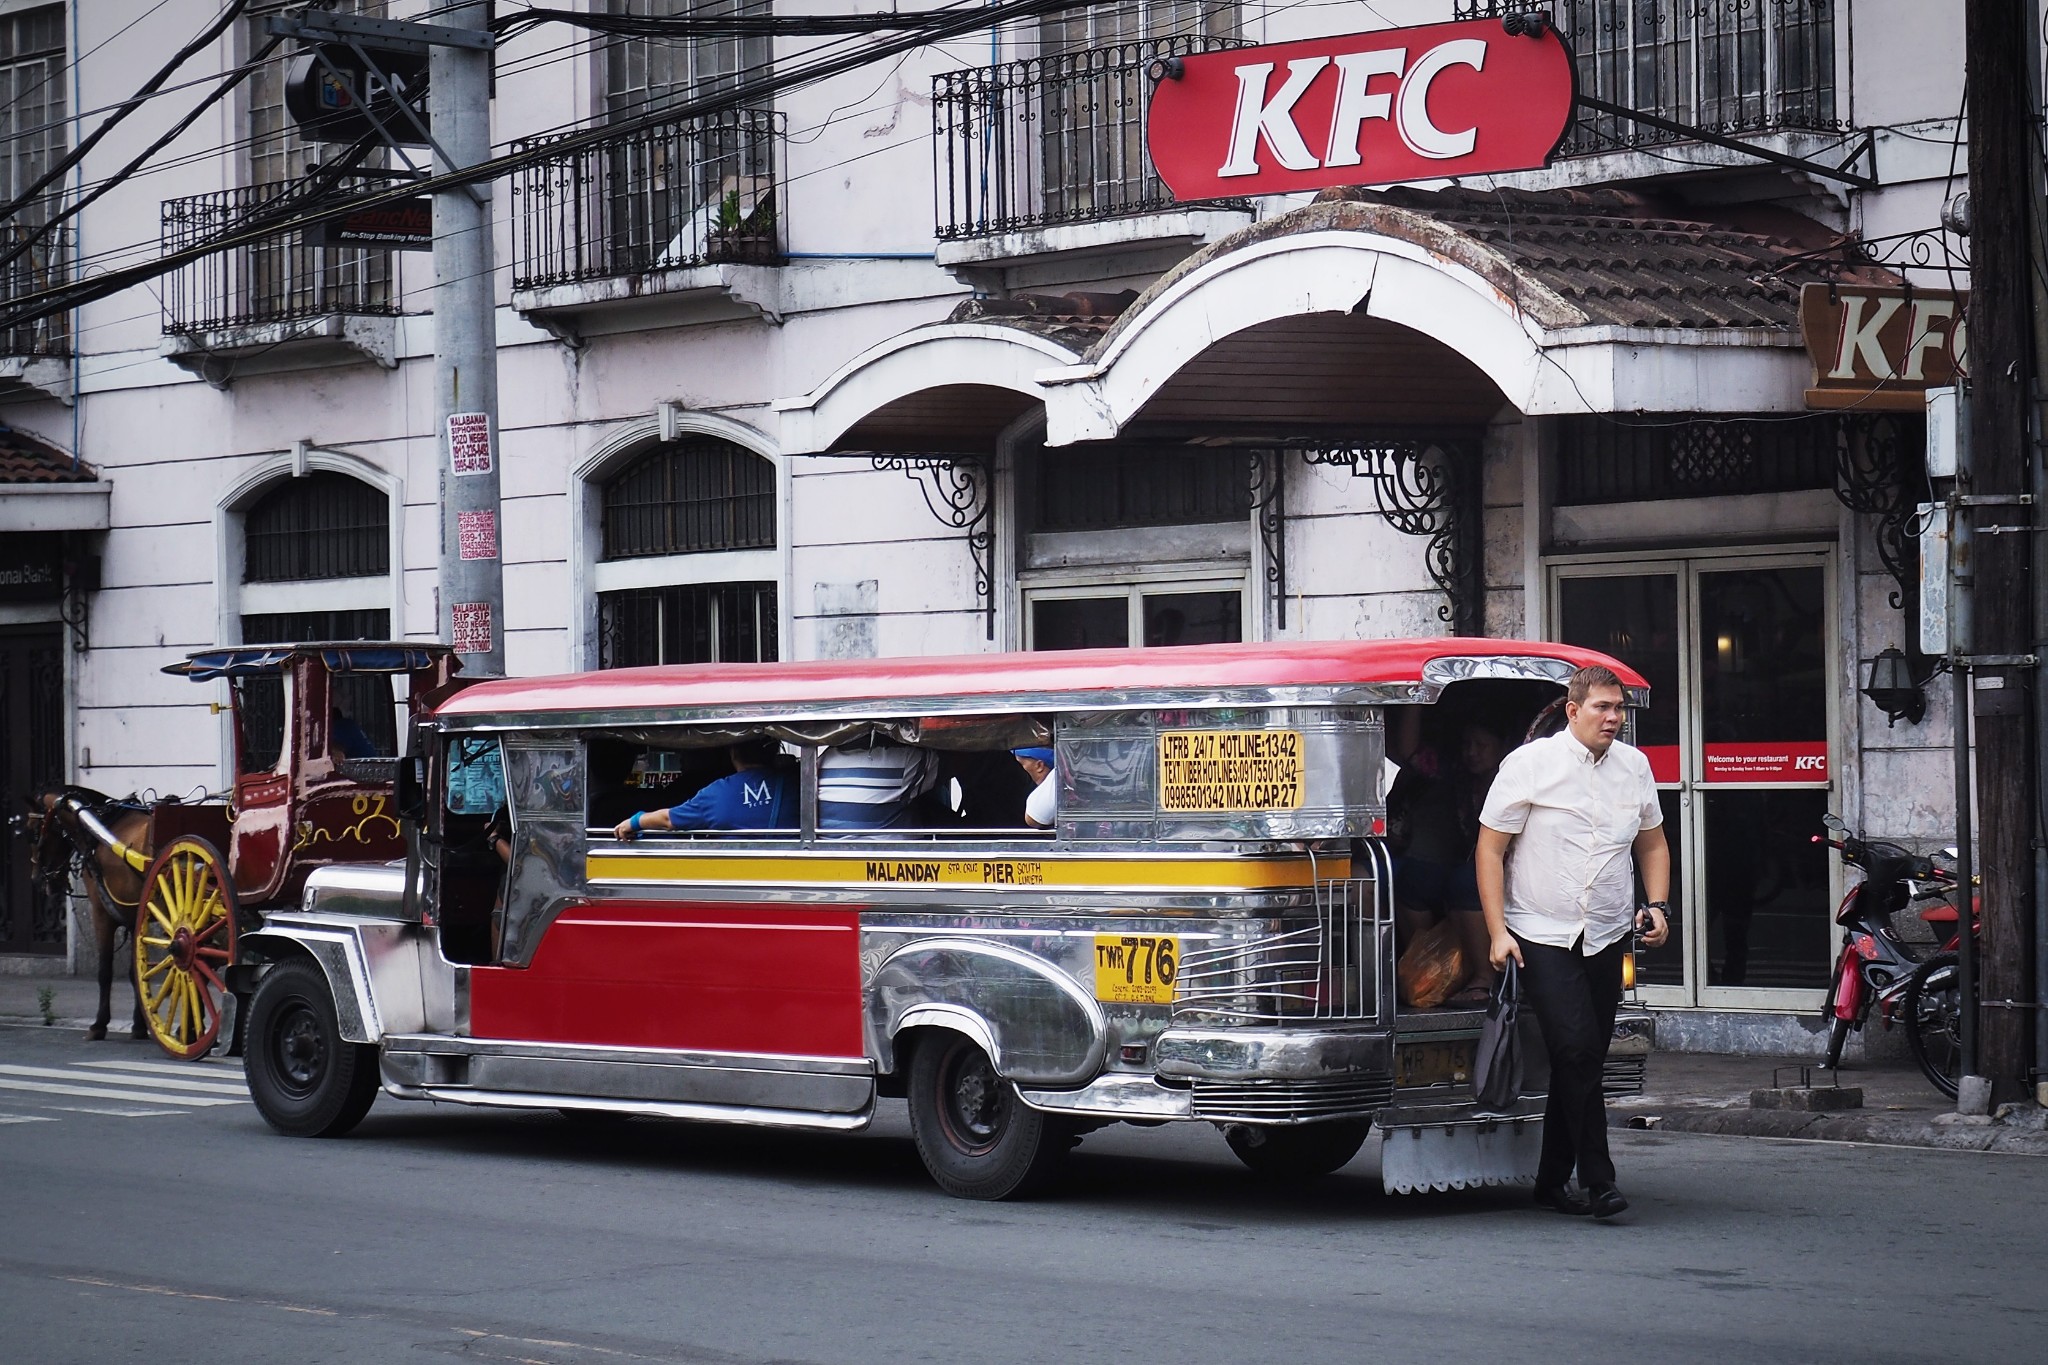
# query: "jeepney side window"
(627, 777)
(472, 870)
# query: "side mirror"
(411, 794)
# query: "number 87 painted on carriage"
(1206, 934)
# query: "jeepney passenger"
(757, 794)
(1042, 805)
(1433, 813)
(873, 784)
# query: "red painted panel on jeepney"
(722, 978)
(1201, 668)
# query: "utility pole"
(471, 599)
(2003, 145)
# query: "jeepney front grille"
(1336, 966)
(1292, 1101)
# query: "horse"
(66, 817)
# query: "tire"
(1934, 1015)
(976, 1137)
(1307, 1152)
(306, 1080)
(1837, 1036)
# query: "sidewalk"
(1694, 1092)
(1687, 1092)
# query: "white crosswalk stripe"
(142, 1089)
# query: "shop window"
(687, 497)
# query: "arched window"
(696, 497)
(316, 564)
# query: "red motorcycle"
(1877, 969)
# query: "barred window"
(1079, 488)
(32, 128)
(324, 525)
(687, 497)
(1107, 25)
(690, 623)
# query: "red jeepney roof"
(1065, 675)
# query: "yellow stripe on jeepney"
(684, 867)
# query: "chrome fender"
(1035, 1022)
(372, 967)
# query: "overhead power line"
(30, 307)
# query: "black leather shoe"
(1562, 1199)
(1606, 1201)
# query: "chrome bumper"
(1272, 1054)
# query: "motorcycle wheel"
(1933, 1007)
(1837, 1036)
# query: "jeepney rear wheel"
(977, 1138)
(1306, 1152)
(306, 1079)
(184, 943)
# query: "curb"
(1988, 1135)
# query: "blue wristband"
(635, 821)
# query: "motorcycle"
(1878, 970)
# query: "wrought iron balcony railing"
(44, 265)
(1732, 66)
(697, 191)
(279, 279)
(1050, 140)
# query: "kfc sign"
(1881, 347)
(1373, 108)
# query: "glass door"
(1738, 654)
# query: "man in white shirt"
(1574, 807)
(1042, 805)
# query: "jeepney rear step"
(1461, 1155)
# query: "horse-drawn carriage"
(316, 741)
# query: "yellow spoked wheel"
(184, 941)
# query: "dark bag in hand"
(1497, 1068)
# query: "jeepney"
(1205, 934)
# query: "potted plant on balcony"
(743, 227)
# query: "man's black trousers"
(1574, 998)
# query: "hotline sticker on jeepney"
(1231, 770)
(1136, 969)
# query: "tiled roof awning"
(43, 489)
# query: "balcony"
(35, 356)
(682, 211)
(1046, 157)
(281, 303)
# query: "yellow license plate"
(1136, 969)
(1434, 1063)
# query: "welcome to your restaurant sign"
(1466, 98)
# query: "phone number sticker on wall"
(1231, 770)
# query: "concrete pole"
(470, 602)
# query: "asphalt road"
(168, 1224)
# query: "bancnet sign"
(1369, 109)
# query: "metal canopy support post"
(1268, 472)
(1425, 486)
(471, 609)
(1707, 135)
(960, 492)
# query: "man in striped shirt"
(871, 784)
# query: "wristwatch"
(1657, 905)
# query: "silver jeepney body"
(1280, 1010)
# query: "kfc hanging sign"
(1468, 98)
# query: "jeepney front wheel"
(1297, 1153)
(977, 1138)
(306, 1079)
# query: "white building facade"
(923, 359)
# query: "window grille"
(687, 497)
(1604, 460)
(688, 623)
(1082, 488)
(33, 112)
(325, 525)
(1729, 65)
(364, 697)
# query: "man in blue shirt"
(757, 795)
